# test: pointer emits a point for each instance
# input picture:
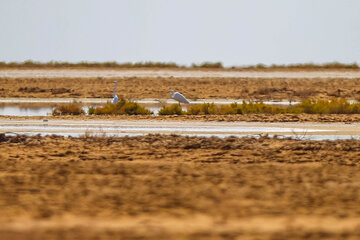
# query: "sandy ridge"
(193, 224)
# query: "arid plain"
(255, 88)
(177, 187)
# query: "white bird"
(178, 97)
(115, 99)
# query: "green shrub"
(260, 107)
(202, 109)
(133, 108)
(208, 65)
(73, 108)
(123, 107)
(174, 109)
(234, 108)
(260, 66)
(334, 106)
(91, 110)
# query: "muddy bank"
(162, 187)
(341, 118)
(192, 88)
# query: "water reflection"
(27, 107)
(21, 111)
(46, 110)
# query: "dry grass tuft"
(202, 109)
(234, 108)
(74, 108)
(174, 109)
(334, 106)
(123, 107)
(208, 65)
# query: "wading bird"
(115, 99)
(178, 97)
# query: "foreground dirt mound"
(174, 187)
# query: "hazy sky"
(235, 32)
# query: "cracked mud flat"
(173, 187)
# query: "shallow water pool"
(27, 107)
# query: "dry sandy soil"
(172, 187)
(192, 88)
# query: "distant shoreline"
(171, 65)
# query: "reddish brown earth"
(173, 187)
(192, 88)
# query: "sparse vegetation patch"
(33, 64)
(208, 65)
(74, 108)
(123, 107)
(334, 106)
(174, 109)
(234, 108)
(149, 64)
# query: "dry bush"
(208, 65)
(234, 108)
(123, 107)
(201, 109)
(334, 106)
(174, 109)
(74, 108)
